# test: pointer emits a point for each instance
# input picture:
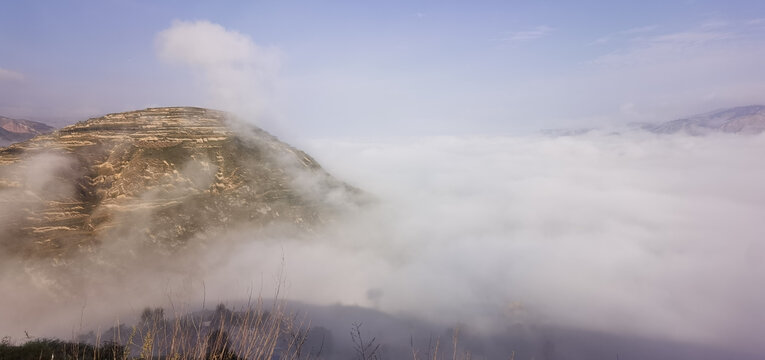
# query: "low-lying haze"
(638, 234)
(655, 235)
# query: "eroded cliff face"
(159, 179)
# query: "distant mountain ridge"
(745, 120)
(736, 120)
(17, 130)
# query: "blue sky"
(395, 68)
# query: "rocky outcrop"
(160, 177)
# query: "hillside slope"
(158, 179)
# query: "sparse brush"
(221, 334)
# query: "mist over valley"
(408, 181)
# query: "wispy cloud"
(529, 34)
(703, 33)
(691, 37)
(645, 45)
(623, 33)
(10, 75)
(715, 24)
(640, 29)
(670, 71)
(238, 74)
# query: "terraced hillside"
(159, 177)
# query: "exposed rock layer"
(159, 177)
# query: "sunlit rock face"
(159, 177)
(13, 130)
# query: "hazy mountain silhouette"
(736, 120)
(14, 130)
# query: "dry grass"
(253, 332)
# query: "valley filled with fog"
(551, 180)
(635, 235)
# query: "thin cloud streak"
(648, 49)
(528, 35)
(6, 74)
(621, 34)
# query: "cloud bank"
(237, 74)
(634, 235)
(658, 236)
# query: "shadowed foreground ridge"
(158, 177)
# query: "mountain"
(158, 179)
(13, 130)
(736, 120)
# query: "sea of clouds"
(638, 234)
